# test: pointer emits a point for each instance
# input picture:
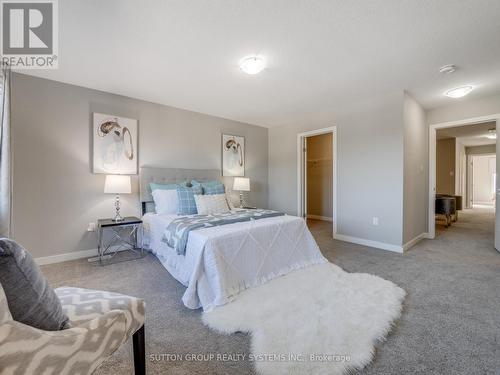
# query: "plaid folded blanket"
(177, 232)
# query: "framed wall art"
(233, 155)
(115, 144)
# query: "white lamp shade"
(116, 184)
(241, 184)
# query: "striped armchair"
(100, 323)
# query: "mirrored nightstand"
(114, 237)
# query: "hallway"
(478, 222)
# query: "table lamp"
(241, 184)
(117, 184)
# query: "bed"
(221, 261)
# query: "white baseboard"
(51, 259)
(65, 257)
(415, 240)
(491, 204)
(370, 243)
(317, 217)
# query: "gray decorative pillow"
(30, 298)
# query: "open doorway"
(483, 181)
(319, 178)
(462, 176)
(317, 172)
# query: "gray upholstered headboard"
(169, 176)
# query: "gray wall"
(416, 169)
(445, 166)
(55, 193)
(370, 168)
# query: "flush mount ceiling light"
(458, 92)
(447, 69)
(492, 134)
(252, 65)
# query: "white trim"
(475, 203)
(469, 188)
(65, 257)
(51, 259)
(370, 243)
(431, 225)
(432, 160)
(415, 240)
(467, 121)
(299, 175)
(304, 165)
(300, 138)
(318, 217)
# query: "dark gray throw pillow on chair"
(30, 298)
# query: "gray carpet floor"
(450, 323)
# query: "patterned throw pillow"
(211, 204)
(187, 204)
(230, 201)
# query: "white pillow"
(166, 201)
(230, 201)
(211, 204)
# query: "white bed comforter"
(222, 261)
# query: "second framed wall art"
(233, 155)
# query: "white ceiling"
(469, 135)
(322, 54)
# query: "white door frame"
(432, 161)
(301, 197)
(469, 189)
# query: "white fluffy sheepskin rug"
(317, 320)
